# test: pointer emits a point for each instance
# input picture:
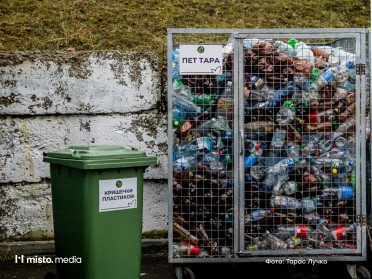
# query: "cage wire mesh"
(203, 110)
(301, 149)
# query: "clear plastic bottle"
(285, 202)
(249, 43)
(286, 114)
(277, 144)
(293, 150)
(285, 48)
(294, 231)
(321, 177)
(286, 165)
(212, 160)
(187, 107)
(341, 232)
(302, 50)
(256, 215)
(183, 249)
(345, 192)
(184, 163)
(310, 146)
(275, 242)
(216, 124)
(322, 81)
(301, 80)
(323, 116)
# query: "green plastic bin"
(97, 210)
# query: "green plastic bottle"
(204, 99)
(315, 74)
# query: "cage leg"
(352, 269)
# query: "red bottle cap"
(271, 210)
(257, 147)
(194, 250)
(313, 118)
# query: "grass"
(141, 25)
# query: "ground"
(156, 266)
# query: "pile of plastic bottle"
(299, 151)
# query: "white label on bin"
(117, 194)
(201, 59)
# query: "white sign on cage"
(201, 59)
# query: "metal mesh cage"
(267, 157)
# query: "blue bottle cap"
(249, 178)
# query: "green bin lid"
(99, 157)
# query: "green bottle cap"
(292, 42)
(288, 104)
(306, 105)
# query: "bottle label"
(302, 231)
(308, 205)
(288, 163)
(339, 233)
(203, 143)
(327, 75)
(346, 193)
(225, 104)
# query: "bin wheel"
(184, 273)
(363, 272)
(51, 275)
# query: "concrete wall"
(49, 101)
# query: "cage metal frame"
(237, 35)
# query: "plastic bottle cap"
(301, 121)
(306, 105)
(175, 123)
(286, 165)
(257, 147)
(272, 210)
(334, 171)
(292, 42)
(316, 154)
(194, 250)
